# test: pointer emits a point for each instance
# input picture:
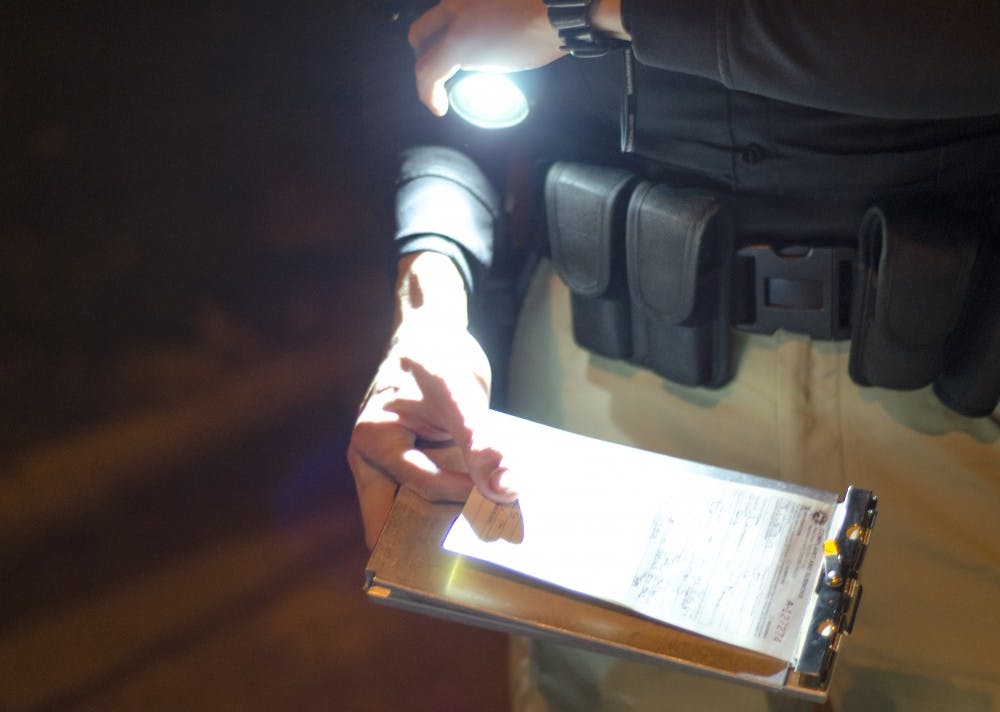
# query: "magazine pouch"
(585, 211)
(679, 253)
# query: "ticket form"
(722, 554)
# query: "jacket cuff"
(684, 39)
(442, 246)
(445, 204)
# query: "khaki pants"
(928, 631)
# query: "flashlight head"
(487, 100)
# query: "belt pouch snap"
(970, 378)
(679, 256)
(913, 274)
(585, 212)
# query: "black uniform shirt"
(845, 101)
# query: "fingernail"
(501, 483)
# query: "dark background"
(194, 290)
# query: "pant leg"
(928, 630)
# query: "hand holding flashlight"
(480, 35)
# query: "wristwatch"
(571, 19)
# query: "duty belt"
(660, 275)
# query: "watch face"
(490, 101)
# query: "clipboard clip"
(838, 590)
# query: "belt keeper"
(913, 274)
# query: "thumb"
(485, 463)
(433, 68)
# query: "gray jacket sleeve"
(445, 204)
(923, 59)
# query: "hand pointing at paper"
(419, 423)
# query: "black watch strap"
(571, 19)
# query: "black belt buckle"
(804, 289)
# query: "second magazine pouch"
(679, 255)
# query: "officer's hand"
(419, 425)
(484, 35)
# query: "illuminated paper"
(716, 552)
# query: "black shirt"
(845, 101)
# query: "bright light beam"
(489, 101)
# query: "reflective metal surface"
(408, 569)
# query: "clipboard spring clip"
(838, 590)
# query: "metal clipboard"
(408, 569)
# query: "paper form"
(722, 554)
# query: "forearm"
(430, 292)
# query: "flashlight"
(488, 100)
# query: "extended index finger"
(456, 407)
(461, 413)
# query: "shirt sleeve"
(445, 204)
(924, 59)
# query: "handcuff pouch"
(913, 273)
(679, 254)
(585, 215)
